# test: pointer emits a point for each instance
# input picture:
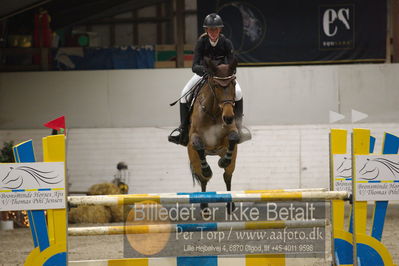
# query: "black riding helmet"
(213, 21)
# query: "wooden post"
(135, 33)
(169, 34)
(180, 30)
(112, 34)
(395, 30)
(159, 25)
(44, 53)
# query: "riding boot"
(182, 136)
(238, 112)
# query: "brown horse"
(213, 130)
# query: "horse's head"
(222, 82)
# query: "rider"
(217, 47)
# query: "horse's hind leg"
(227, 176)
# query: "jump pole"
(207, 197)
(173, 228)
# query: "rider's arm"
(229, 51)
(198, 67)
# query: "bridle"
(223, 82)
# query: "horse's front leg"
(199, 147)
(233, 139)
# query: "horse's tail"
(195, 176)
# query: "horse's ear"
(210, 66)
(233, 66)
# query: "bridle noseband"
(225, 78)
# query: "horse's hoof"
(205, 211)
(230, 207)
(223, 163)
(206, 172)
(204, 205)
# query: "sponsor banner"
(32, 186)
(295, 229)
(377, 177)
(297, 31)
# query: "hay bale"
(117, 213)
(104, 189)
(99, 214)
(90, 214)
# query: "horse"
(213, 129)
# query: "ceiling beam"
(128, 20)
(24, 9)
(114, 9)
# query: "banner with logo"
(376, 177)
(301, 32)
(32, 186)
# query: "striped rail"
(173, 228)
(208, 197)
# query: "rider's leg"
(238, 108)
(238, 112)
(194, 79)
(182, 130)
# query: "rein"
(193, 89)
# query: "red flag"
(57, 124)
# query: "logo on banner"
(244, 24)
(336, 27)
(17, 177)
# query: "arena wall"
(140, 98)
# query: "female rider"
(218, 48)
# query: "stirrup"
(245, 135)
(175, 139)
